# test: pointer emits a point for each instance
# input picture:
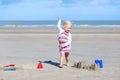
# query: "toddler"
(64, 38)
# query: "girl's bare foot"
(67, 64)
(60, 66)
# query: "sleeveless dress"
(63, 38)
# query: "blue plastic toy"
(99, 62)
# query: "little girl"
(64, 38)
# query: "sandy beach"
(25, 47)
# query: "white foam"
(51, 26)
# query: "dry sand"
(24, 47)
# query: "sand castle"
(85, 65)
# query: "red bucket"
(39, 66)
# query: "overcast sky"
(67, 9)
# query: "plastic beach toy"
(9, 65)
(99, 62)
(39, 66)
(9, 69)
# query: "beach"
(26, 46)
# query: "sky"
(66, 9)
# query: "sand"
(25, 47)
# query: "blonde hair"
(67, 24)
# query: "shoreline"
(54, 30)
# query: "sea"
(53, 23)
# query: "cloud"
(85, 3)
(61, 3)
(69, 1)
(41, 3)
(91, 2)
(105, 2)
(50, 9)
(8, 2)
(30, 9)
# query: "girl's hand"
(58, 18)
(62, 45)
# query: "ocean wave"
(26, 26)
(53, 26)
(96, 26)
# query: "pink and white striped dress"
(65, 39)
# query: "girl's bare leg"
(67, 58)
(62, 55)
